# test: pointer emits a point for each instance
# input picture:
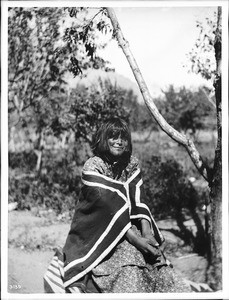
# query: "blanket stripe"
(53, 278)
(109, 228)
(102, 217)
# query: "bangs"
(118, 128)
(116, 132)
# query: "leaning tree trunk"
(215, 266)
(169, 130)
(213, 177)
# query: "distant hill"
(94, 75)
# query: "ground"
(33, 236)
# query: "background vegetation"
(50, 125)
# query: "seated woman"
(113, 245)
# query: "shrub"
(57, 186)
(167, 189)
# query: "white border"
(133, 3)
(4, 147)
(225, 207)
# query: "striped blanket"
(102, 216)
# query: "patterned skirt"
(124, 270)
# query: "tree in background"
(92, 106)
(38, 63)
(35, 75)
(89, 106)
(187, 111)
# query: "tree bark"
(39, 151)
(215, 266)
(169, 130)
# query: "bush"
(167, 189)
(22, 160)
(57, 186)
(169, 193)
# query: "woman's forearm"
(131, 237)
(146, 228)
(147, 232)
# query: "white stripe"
(74, 289)
(133, 176)
(110, 225)
(105, 187)
(51, 268)
(146, 207)
(62, 271)
(138, 192)
(55, 278)
(100, 258)
(102, 176)
(141, 216)
(55, 288)
(58, 264)
(113, 180)
(126, 186)
(54, 263)
(59, 261)
(152, 219)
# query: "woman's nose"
(119, 140)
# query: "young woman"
(113, 245)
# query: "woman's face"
(117, 145)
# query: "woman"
(114, 243)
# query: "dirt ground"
(33, 237)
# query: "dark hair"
(112, 128)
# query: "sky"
(159, 38)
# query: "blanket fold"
(102, 217)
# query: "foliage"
(33, 69)
(201, 57)
(167, 188)
(186, 110)
(92, 106)
(169, 193)
(80, 40)
(140, 117)
(57, 187)
(42, 48)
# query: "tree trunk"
(39, 151)
(215, 266)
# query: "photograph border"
(224, 294)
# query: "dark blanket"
(102, 217)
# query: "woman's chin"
(117, 152)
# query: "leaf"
(75, 68)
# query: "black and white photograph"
(114, 147)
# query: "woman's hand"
(146, 246)
(152, 239)
(143, 244)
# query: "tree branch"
(169, 130)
